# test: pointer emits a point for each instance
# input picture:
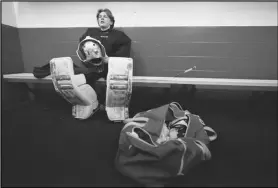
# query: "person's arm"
(122, 47)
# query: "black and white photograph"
(139, 94)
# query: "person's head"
(105, 19)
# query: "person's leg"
(100, 89)
(92, 80)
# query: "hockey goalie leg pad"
(73, 87)
(66, 83)
(61, 66)
(86, 111)
(119, 88)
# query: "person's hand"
(105, 59)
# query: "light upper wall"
(141, 14)
(9, 13)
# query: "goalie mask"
(91, 50)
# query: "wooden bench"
(29, 78)
(270, 85)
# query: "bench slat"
(29, 78)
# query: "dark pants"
(99, 88)
(100, 91)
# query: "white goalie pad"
(73, 88)
(119, 88)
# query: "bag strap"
(177, 105)
(209, 129)
(204, 148)
(140, 119)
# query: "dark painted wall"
(217, 52)
(11, 62)
(11, 50)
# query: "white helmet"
(90, 48)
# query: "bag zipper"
(132, 121)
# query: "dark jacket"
(116, 43)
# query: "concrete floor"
(42, 145)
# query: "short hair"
(109, 14)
